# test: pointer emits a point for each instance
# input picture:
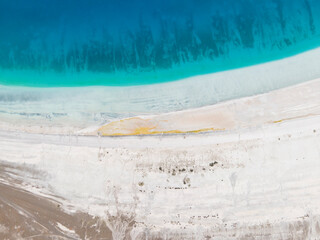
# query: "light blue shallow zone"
(119, 43)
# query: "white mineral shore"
(258, 179)
(298, 101)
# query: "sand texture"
(256, 177)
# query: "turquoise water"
(81, 43)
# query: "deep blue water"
(128, 42)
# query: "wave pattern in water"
(59, 43)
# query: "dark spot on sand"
(213, 163)
(186, 180)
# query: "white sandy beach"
(256, 183)
(258, 177)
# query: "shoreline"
(248, 112)
(276, 106)
(68, 110)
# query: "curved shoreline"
(68, 110)
(293, 102)
(298, 101)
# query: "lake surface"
(121, 43)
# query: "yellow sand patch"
(296, 117)
(146, 131)
(143, 130)
(279, 121)
(138, 126)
